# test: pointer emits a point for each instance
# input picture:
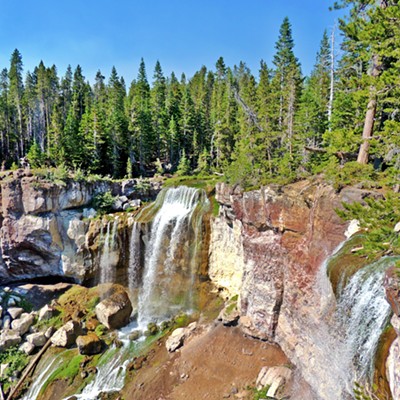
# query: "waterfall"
(168, 275)
(337, 339)
(110, 374)
(134, 257)
(109, 255)
(39, 382)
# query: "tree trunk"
(369, 121)
(368, 130)
(332, 79)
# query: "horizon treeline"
(272, 125)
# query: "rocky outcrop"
(45, 226)
(280, 237)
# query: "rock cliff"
(43, 226)
(267, 246)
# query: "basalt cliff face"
(268, 247)
(46, 229)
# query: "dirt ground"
(217, 362)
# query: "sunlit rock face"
(286, 235)
(45, 229)
(267, 245)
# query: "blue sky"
(182, 34)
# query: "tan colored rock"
(274, 377)
(66, 335)
(37, 339)
(15, 312)
(226, 257)
(46, 312)
(89, 344)
(27, 348)
(114, 312)
(9, 338)
(176, 339)
(22, 324)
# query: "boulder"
(274, 377)
(7, 322)
(176, 339)
(23, 324)
(27, 348)
(49, 332)
(37, 339)
(89, 344)
(114, 312)
(46, 312)
(9, 338)
(89, 213)
(15, 312)
(66, 335)
(136, 203)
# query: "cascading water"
(134, 257)
(337, 349)
(168, 275)
(109, 256)
(110, 374)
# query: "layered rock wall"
(280, 237)
(44, 230)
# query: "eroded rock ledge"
(43, 229)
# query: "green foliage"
(35, 155)
(261, 394)
(17, 361)
(68, 370)
(378, 218)
(350, 174)
(100, 330)
(183, 166)
(362, 392)
(103, 202)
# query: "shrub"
(103, 202)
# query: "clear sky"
(182, 34)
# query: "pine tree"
(286, 84)
(117, 124)
(159, 111)
(15, 96)
(143, 142)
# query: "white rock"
(353, 228)
(27, 348)
(274, 377)
(7, 322)
(49, 332)
(15, 312)
(46, 312)
(8, 339)
(66, 335)
(176, 339)
(397, 227)
(89, 213)
(37, 339)
(23, 324)
(3, 368)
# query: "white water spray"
(168, 273)
(109, 255)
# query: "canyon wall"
(267, 246)
(47, 229)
